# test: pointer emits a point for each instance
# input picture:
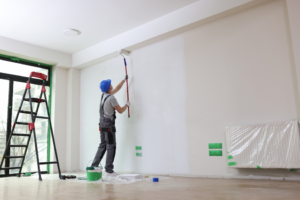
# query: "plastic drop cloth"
(274, 145)
(103, 180)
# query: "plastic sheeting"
(103, 180)
(274, 145)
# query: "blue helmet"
(105, 85)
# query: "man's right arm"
(120, 109)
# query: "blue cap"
(105, 85)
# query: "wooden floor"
(175, 188)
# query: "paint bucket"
(93, 173)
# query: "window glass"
(19, 69)
(4, 84)
(41, 129)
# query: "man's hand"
(126, 77)
(120, 109)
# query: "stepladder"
(31, 129)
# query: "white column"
(59, 116)
(73, 116)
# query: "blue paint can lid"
(155, 179)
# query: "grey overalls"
(108, 140)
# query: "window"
(14, 74)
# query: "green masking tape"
(139, 154)
(215, 145)
(138, 147)
(215, 153)
(258, 167)
(231, 163)
(230, 157)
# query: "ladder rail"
(25, 152)
(52, 135)
(11, 133)
(34, 135)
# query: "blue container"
(155, 180)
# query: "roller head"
(124, 52)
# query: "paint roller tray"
(129, 176)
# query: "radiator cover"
(274, 145)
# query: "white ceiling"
(41, 22)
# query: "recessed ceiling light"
(71, 32)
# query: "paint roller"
(122, 53)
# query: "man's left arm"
(119, 86)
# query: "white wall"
(152, 112)
(32, 52)
(72, 133)
(186, 89)
(293, 7)
(176, 22)
(65, 118)
(59, 115)
(239, 71)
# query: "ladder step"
(10, 168)
(18, 145)
(14, 156)
(36, 100)
(22, 123)
(41, 117)
(45, 163)
(19, 134)
(27, 112)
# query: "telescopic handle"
(127, 86)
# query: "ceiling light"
(71, 32)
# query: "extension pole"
(127, 86)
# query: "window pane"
(41, 128)
(4, 86)
(19, 69)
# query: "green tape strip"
(139, 154)
(215, 153)
(230, 157)
(292, 170)
(215, 145)
(138, 148)
(258, 167)
(231, 163)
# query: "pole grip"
(125, 63)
